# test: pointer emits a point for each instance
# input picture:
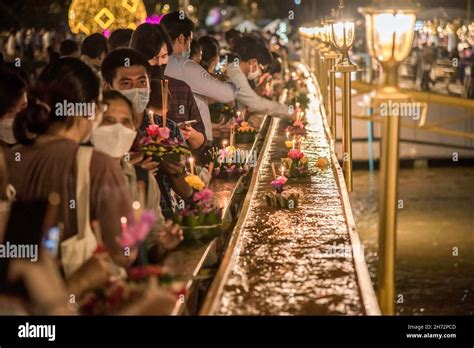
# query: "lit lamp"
(342, 32)
(389, 31)
(331, 57)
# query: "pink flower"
(203, 196)
(138, 231)
(279, 182)
(152, 130)
(164, 132)
(298, 123)
(295, 154)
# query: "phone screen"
(51, 240)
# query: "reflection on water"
(435, 250)
(284, 264)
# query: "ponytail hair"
(66, 80)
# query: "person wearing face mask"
(13, 100)
(154, 44)
(51, 157)
(252, 57)
(209, 53)
(134, 83)
(203, 84)
(126, 70)
(115, 136)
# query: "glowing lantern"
(99, 16)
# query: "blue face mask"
(186, 54)
(139, 97)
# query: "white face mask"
(255, 75)
(115, 140)
(139, 97)
(6, 131)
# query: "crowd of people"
(81, 171)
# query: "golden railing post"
(312, 55)
(324, 75)
(388, 190)
(388, 213)
(346, 68)
(331, 58)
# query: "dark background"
(53, 13)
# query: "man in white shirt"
(252, 58)
(203, 85)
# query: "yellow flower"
(195, 182)
(289, 144)
(245, 127)
(304, 160)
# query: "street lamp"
(342, 31)
(342, 34)
(331, 58)
(389, 31)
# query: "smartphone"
(186, 123)
(51, 240)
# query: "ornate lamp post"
(331, 57)
(389, 31)
(342, 32)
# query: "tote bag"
(80, 247)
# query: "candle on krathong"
(210, 170)
(164, 96)
(294, 141)
(137, 214)
(231, 140)
(224, 144)
(191, 164)
(282, 169)
(150, 117)
(287, 135)
(123, 222)
(274, 171)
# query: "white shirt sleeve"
(252, 100)
(200, 81)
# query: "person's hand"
(187, 132)
(138, 159)
(94, 273)
(150, 165)
(154, 301)
(170, 236)
(173, 168)
(135, 157)
(44, 284)
(221, 128)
